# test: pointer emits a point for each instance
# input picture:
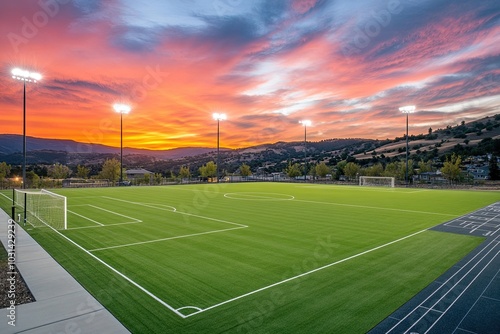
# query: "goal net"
(43, 208)
(376, 181)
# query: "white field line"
(165, 239)
(376, 208)
(140, 287)
(239, 226)
(107, 225)
(134, 220)
(115, 213)
(10, 199)
(303, 274)
(89, 219)
(153, 206)
(182, 213)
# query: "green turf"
(204, 245)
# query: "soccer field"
(257, 257)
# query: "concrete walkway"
(62, 305)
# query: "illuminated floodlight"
(407, 109)
(305, 122)
(25, 75)
(219, 117)
(122, 108)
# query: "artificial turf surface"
(258, 257)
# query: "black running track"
(465, 299)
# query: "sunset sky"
(346, 65)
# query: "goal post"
(43, 208)
(377, 181)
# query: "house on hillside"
(136, 174)
(479, 172)
(429, 177)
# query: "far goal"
(42, 208)
(376, 181)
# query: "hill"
(41, 149)
(474, 138)
(465, 138)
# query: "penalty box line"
(239, 226)
(297, 276)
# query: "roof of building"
(138, 171)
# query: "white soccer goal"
(376, 181)
(43, 208)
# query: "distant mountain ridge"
(12, 144)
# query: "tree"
(375, 170)
(4, 172)
(110, 170)
(402, 170)
(245, 170)
(184, 173)
(351, 169)
(157, 178)
(58, 171)
(33, 179)
(82, 172)
(322, 169)
(339, 171)
(424, 167)
(451, 168)
(208, 170)
(392, 169)
(293, 170)
(494, 170)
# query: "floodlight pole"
(305, 123)
(121, 148)
(24, 76)
(122, 109)
(406, 170)
(218, 148)
(218, 117)
(407, 110)
(24, 134)
(305, 152)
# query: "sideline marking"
(10, 199)
(304, 274)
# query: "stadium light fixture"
(305, 123)
(121, 109)
(407, 110)
(25, 76)
(218, 117)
